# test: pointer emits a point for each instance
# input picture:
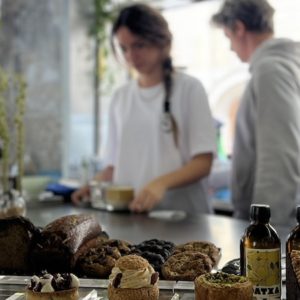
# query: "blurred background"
(61, 48)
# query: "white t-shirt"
(140, 149)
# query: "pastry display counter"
(177, 227)
(12, 287)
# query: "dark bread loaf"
(17, 236)
(59, 241)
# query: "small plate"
(169, 215)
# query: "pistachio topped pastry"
(222, 286)
(225, 279)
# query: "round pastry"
(186, 266)
(222, 286)
(53, 287)
(133, 278)
(124, 247)
(98, 259)
(208, 248)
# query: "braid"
(167, 72)
(168, 83)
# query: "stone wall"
(31, 40)
(39, 39)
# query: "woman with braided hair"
(161, 136)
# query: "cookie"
(208, 248)
(186, 266)
(155, 251)
(123, 246)
(93, 243)
(98, 262)
(98, 259)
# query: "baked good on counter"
(53, 287)
(208, 248)
(98, 257)
(133, 278)
(17, 235)
(222, 286)
(59, 241)
(155, 251)
(186, 266)
(123, 247)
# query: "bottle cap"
(298, 213)
(260, 212)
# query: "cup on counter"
(118, 197)
(98, 193)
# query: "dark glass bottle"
(293, 254)
(261, 254)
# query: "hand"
(80, 195)
(148, 197)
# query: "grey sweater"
(266, 157)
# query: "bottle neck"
(256, 222)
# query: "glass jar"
(12, 204)
(98, 194)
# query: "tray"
(12, 288)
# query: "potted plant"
(103, 12)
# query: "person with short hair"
(161, 138)
(266, 154)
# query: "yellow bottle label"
(264, 271)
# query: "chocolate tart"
(71, 294)
(53, 287)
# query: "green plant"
(7, 136)
(20, 136)
(4, 132)
(99, 16)
(102, 16)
